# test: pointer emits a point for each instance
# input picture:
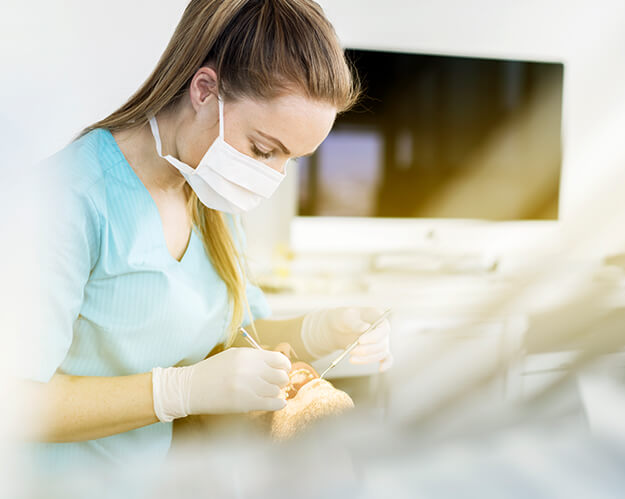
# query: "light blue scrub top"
(112, 300)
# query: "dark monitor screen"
(441, 137)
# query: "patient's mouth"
(301, 373)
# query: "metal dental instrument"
(249, 338)
(353, 345)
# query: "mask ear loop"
(221, 117)
(156, 134)
(184, 168)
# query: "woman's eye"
(260, 154)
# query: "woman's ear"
(204, 88)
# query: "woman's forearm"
(273, 332)
(76, 408)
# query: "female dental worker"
(140, 268)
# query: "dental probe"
(355, 343)
(249, 338)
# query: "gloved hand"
(325, 331)
(235, 380)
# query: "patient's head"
(309, 398)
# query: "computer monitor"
(440, 136)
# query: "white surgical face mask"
(226, 179)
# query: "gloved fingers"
(371, 314)
(366, 359)
(263, 389)
(276, 360)
(349, 320)
(277, 377)
(376, 335)
(386, 363)
(269, 404)
(371, 349)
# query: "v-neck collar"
(141, 186)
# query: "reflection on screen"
(439, 136)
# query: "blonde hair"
(259, 49)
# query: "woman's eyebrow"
(276, 141)
(281, 145)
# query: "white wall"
(68, 63)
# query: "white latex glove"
(235, 380)
(325, 331)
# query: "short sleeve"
(256, 298)
(63, 234)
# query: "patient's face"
(309, 398)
